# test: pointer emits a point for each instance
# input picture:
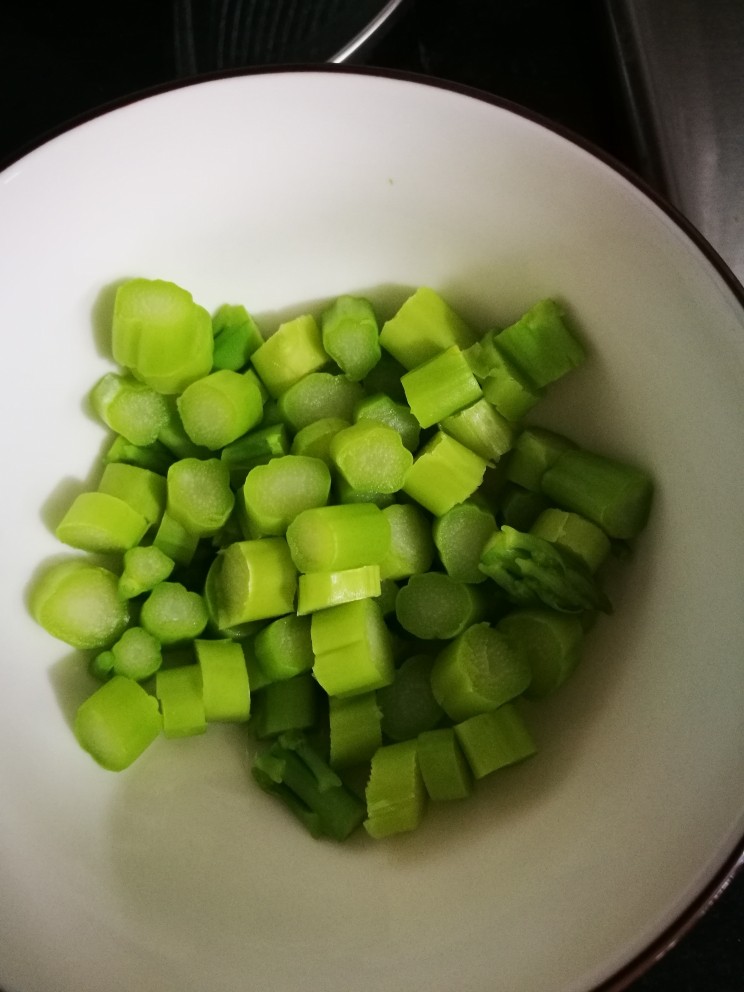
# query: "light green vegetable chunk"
(445, 771)
(225, 686)
(352, 648)
(251, 580)
(287, 705)
(371, 457)
(117, 723)
(294, 350)
(172, 613)
(384, 410)
(275, 493)
(396, 797)
(503, 384)
(411, 546)
(179, 691)
(161, 335)
(460, 535)
(283, 648)
(319, 590)
(535, 450)
(573, 533)
(256, 448)
(440, 386)
(434, 606)
(333, 538)
(481, 428)
(315, 439)
(351, 336)
(130, 408)
(174, 541)
(143, 490)
(551, 643)
(408, 705)
(541, 344)
(494, 740)
(424, 325)
(479, 671)
(79, 603)
(317, 396)
(99, 522)
(355, 729)
(144, 568)
(220, 408)
(444, 473)
(155, 457)
(199, 495)
(236, 337)
(136, 654)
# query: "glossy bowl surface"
(280, 190)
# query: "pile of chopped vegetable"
(345, 537)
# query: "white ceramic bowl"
(279, 190)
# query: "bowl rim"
(722, 878)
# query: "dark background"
(60, 62)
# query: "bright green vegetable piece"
(283, 648)
(460, 535)
(319, 590)
(371, 457)
(411, 545)
(236, 337)
(534, 572)
(293, 772)
(314, 440)
(535, 450)
(144, 568)
(344, 493)
(445, 771)
(79, 603)
(352, 648)
(101, 665)
(136, 654)
(440, 386)
(541, 344)
(317, 396)
(479, 671)
(384, 410)
(434, 606)
(396, 797)
(179, 691)
(444, 473)
(333, 538)
(174, 541)
(615, 496)
(199, 494)
(161, 335)
(294, 350)
(117, 723)
(355, 731)
(290, 704)
(351, 336)
(220, 408)
(251, 580)
(174, 438)
(481, 428)
(99, 522)
(130, 408)
(225, 686)
(275, 493)
(408, 705)
(142, 489)
(574, 533)
(494, 740)
(503, 384)
(423, 326)
(256, 448)
(551, 642)
(172, 613)
(155, 457)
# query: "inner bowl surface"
(280, 190)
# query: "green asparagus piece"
(351, 336)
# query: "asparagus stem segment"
(236, 337)
(444, 473)
(351, 336)
(130, 408)
(460, 536)
(143, 490)
(174, 541)
(294, 350)
(495, 740)
(408, 704)
(535, 450)
(551, 642)
(434, 606)
(172, 613)
(440, 387)
(612, 494)
(136, 654)
(355, 729)
(155, 457)
(320, 590)
(481, 428)
(179, 691)
(411, 547)
(445, 771)
(333, 538)
(385, 410)
(519, 507)
(275, 493)
(423, 326)
(283, 648)
(220, 408)
(396, 797)
(575, 534)
(251, 580)
(225, 687)
(290, 704)
(99, 522)
(314, 441)
(352, 648)
(144, 568)
(319, 395)
(503, 385)
(478, 672)
(541, 344)
(117, 723)
(371, 457)
(199, 495)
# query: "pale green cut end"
(117, 723)
(79, 603)
(424, 325)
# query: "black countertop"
(59, 62)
